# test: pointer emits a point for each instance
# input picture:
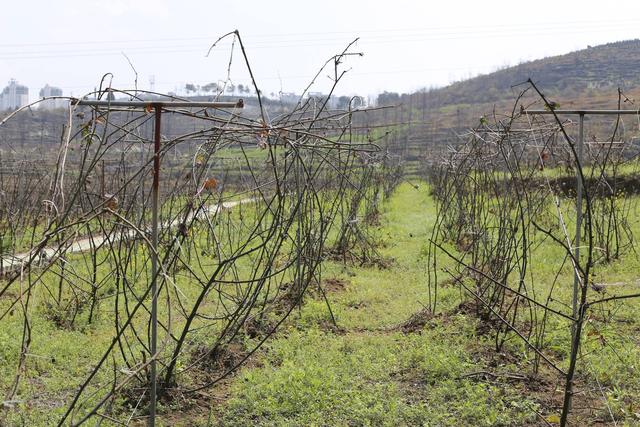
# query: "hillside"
(601, 68)
(588, 78)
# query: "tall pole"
(579, 189)
(154, 263)
(157, 107)
(102, 190)
(576, 275)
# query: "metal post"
(579, 189)
(154, 263)
(157, 107)
(576, 278)
(102, 190)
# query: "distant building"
(52, 104)
(14, 96)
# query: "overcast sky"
(407, 44)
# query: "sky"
(406, 45)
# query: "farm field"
(391, 362)
(387, 360)
(202, 261)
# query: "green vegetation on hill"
(428, 120)
(596, 69)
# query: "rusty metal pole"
(576, 277)
(102, 190)
(157, 107)
(154, 264)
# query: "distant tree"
(231, 89)
(210, 87)
(387, 98)
(190, 87)
(343, 102)
(241, 88)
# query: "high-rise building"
(14, 96)
(52, 104)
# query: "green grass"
(369, 379)
(374, 374)
(368, 371)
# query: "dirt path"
(11, 263)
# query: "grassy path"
(372, 371)
(10, 263)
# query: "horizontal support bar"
(583, 112)
(155, 104)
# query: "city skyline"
(15, 95)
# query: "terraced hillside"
(588, 78)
